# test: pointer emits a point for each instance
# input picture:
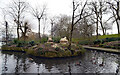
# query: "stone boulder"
(55, 45)
(50, 40)
(64, 40)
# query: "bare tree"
(94, 8)
(115, 8)
(5, 30)
(86, 27)
(39, 13)
(75, 19)
(60, 26)
(25, 28)
(99, 9)
(107, 26)
(17, 10)
(101, 15)
(6, 27)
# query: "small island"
(49, 49)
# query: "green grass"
(93, 38)
(108, 36)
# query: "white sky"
(54, 8)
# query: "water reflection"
(0, 59)
(90, 62)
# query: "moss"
(67, 53)
(30, 51)
(12, 48)
(60, 54)
(77, 53)
(57, 49)
(83, 51)
(50, 54)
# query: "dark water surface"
(90, 62)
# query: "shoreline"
(39, 56)
(109, 50)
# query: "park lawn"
(93, 38)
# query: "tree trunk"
(52, 30)
(39, 29)
(118, 27)
(102, 28)
(68, 32)
(23, 36)
(102, 24)
(70, 39)
(101, 15)
(97, 29)
(6, 23)
(72, 25)
(18, 36)
(105, 31)
(116, 19)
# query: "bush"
(107, 46)
(103, 41)
(44, 39)
(75, 40)
(56, 39)
(101, 45)
(15, 41)
(57, 48)
(40, 49)
(98, 41)
(67, 53)
(40, 52)
(113, 47)
(109, 39)
(112, 39)
(32, 43)
(19, 44)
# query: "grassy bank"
(106, 41)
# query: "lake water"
(90, 62)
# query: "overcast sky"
(54, 8)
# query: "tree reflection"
(5, 68)
(88, 63)
(21, 63)
(17, 65)
(118, 66)
(69, 68)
